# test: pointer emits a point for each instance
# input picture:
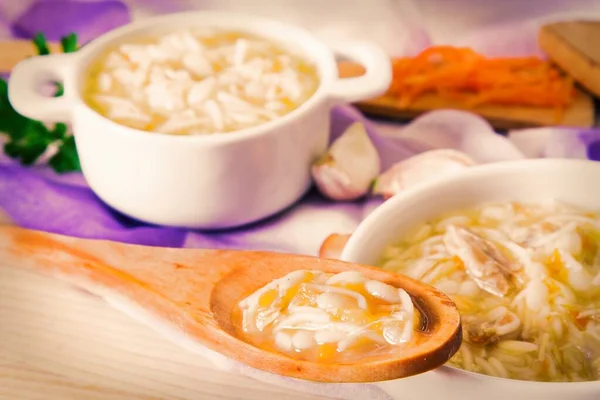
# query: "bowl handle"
(26, 79)
(376, 79)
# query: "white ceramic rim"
(369, 224)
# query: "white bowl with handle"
(571, 181)
(213, 181)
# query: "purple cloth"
(39, 199)
(57, 18)
(38, 203)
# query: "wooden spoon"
(197, 290)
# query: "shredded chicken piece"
(483, 261)
(490, 331)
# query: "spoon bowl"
(198, 290)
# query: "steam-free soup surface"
(322, 317)
(195, 82)
(526, 280)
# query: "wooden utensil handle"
(167, 282)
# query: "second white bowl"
(571, 181)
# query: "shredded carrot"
(461, 74)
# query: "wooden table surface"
(58, 342)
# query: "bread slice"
(575, 47)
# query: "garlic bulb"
(420, 168)
(347, 169)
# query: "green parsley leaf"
(28, 139)
(30, 143)
(66, 159)
(60, 89)
(59, 131)
(69, 43)
(40, 43)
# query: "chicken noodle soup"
(198, 82)
(317, 316)
(526, 280)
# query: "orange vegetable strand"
(460, 74)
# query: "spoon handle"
(170, 282)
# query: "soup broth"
(526, 280)
(198, 82)
(316, 316)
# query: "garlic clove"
(420, 168)
(347, 169)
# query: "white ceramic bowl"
(573, 181)
(215, 181)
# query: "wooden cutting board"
(13, 51)
(573, 45)
(580, 114)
